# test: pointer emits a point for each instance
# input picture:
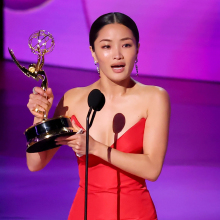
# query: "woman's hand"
(77, 141)
(40, 101)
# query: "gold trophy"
(41, 136)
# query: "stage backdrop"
(178, 38)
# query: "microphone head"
(96, 100)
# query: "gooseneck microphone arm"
(92, 119)
(96, 101)
(87, 160)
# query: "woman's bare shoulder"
(154, 99)
(70, 99)
(77, 93)
(151, 91)
(153, 96)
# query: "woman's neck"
(113, 89)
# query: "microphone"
(96, 101)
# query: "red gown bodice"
(114, 194)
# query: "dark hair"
(111, 18)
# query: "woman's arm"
(37, 161)
(147, 165)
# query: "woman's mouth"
(118, 68)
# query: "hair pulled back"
(111, 18)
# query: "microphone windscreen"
(96, 100)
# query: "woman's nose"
(117, 54)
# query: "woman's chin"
(119, 78)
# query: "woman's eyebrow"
(105, 40)
(126, 38)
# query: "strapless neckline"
(112, 192)
(142, 120)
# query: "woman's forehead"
(114, 32)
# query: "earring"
(136, 66)
(97, 67)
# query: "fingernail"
(34, 91)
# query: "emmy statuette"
(41, 136)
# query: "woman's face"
(115, 51)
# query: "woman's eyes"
(127, 45)
(108, 46)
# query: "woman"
(129, 135)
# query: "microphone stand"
(88, 125)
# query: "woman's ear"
(138, 48)
(93, 53)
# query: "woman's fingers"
(39, 98)
(49, 94)
(74, 137)
(37, 108)
(76, 142)
(33, 102)
(38, 90)
(37, 114)
(73, 144)
(40, 101)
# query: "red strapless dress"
(112, 193)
